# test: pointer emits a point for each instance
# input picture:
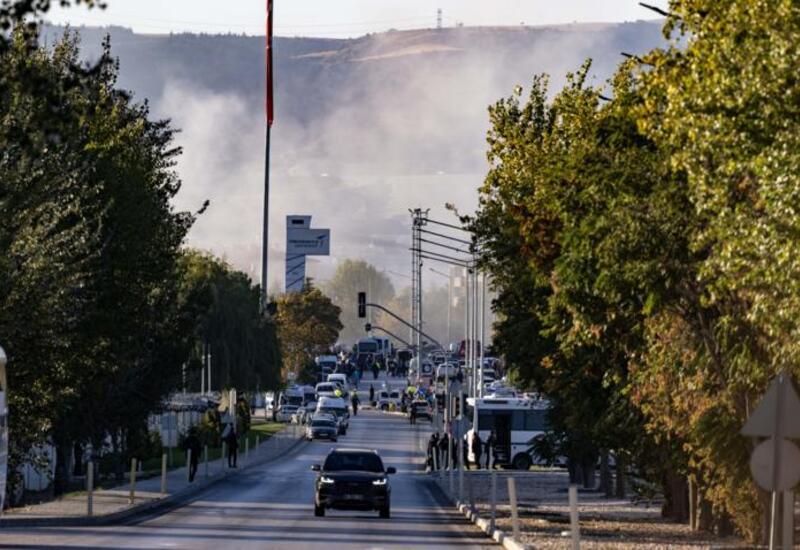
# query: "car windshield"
(365, 462)
(331, 410)
(325, 387)
(323, 424)
(294, 399)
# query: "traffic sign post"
(775, 463)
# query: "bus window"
(536, 421)
(485, 420)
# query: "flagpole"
(269, 116)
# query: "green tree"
(308, 325)
(224, 306)
(352, 277)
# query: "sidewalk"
(114, 504)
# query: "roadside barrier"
(132, 497)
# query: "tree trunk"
(676, 496)
(621, 489)
(606, 485)
(693, 502)
(63, 474)
(705, 521)
(589, 474)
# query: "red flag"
(268, 56)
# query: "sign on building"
(302, 241)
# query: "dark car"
(322, 428)
(352, 479)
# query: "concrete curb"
(501, 537)
(138, 509)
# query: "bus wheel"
(522, 462)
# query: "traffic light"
(368, 327)
(362, 305)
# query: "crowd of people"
(439, 447)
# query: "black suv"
(352, 479)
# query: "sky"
(344, 18)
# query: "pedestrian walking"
(444, 450)
(192, 443)
(412, 415)
(433, 451)
(477, 449)
(355, 401)
(372, 394)
(491, 442)
(232, 441)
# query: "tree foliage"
(644, 248)
(308, 325)
(350, 278)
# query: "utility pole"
(419, 220)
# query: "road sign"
(763, 421)
(762, 463)
(308, 242)
(775, 463)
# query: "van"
(339, 378)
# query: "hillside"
(378, 123)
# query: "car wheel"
(522, 461)
(319, 511)
(385, 512)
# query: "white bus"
(517, 423)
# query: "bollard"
(573, 517)
(89, 488)
(258, 441)
(246, 448)
(512, 499)
(164, 473)
(132, 496)
(435, 455)
(450, 465)
(460, 472)
(788, 520)
(493, 497)
(205, 458)
(189, 465)
(222, 460)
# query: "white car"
(326, 389)
(387, 398)
(338, 408)
(286, 412)
(339, 378)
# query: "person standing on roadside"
(491, 441)
(192, 445)
(443, 450)
(232, 441)
(433, 451)
(371, 394)
(477, 449)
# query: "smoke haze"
(365, 129)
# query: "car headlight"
(326, 480)
(379, 481)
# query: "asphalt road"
(270, 506)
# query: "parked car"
(352, 479)
(322, 428)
